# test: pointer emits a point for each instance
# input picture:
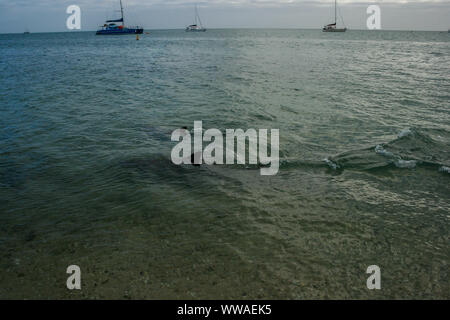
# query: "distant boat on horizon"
(111, 28)
(26, 31)
(332, 26)
(197, 26)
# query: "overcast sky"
(50, 15)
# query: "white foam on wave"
(405, 133)
(380, 150)
(444, 169)
(405, 164)
(331, 164)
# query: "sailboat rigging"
(332, 26)
(197, 26)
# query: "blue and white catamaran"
(111, 28)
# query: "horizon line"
(234, 28)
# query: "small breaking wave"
(405, 133)
(411, 148)
(408, 164)
(331, 164)
(380, 150)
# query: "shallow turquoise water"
(86, 176)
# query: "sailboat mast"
(335, 8)
(199, 20)
(121, 11)
(196, 15)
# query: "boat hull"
(195, 30)
(120, 31)
(335, 30)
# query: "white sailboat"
(332, 26)
(197, 26)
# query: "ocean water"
(86, 177)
